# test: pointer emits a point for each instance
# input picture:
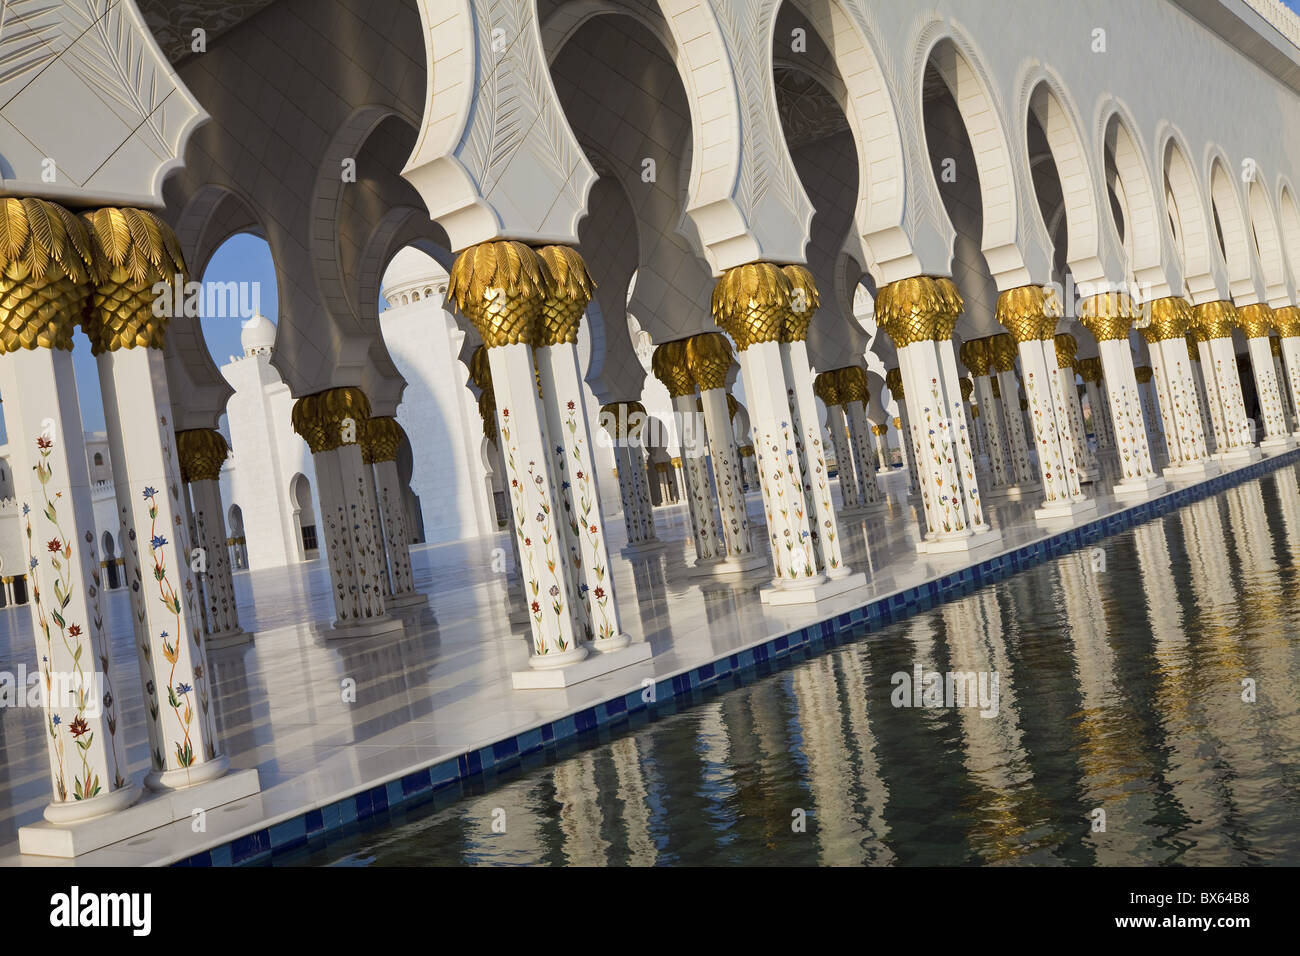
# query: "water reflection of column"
(817, 707)
(993, 746)
(633, 794)
(1106, 755)
(580, 816)
(873, 793)
(1175, 693)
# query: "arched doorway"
(112, 578)
(236, 541)
(304, 516)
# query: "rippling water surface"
(1124, 732)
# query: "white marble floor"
(441, 687)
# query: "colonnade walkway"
(325, 719)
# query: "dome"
(409, 269)
(258, 335)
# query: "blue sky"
(242, 258)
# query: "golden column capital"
(997, 387)
(1089, 369)
(851, 383)
(1028, 313)
(47, 271)
(751, 303)
(894, 382)
(1214, 320)
(1143, 374)
(202, 452)
(670, 366)
(568, 289)
(1067, 349)
(1171, 317)
(918, 309)
(134, 251)
(487, 411)
(709, 359)
(966, 386)
(746, 451)
(500, 287)
(879, 429)
(1002, 348)
(898, 423)
(1275, 344)
(1193, 352)
(1108, 316)
(976, 356)
(616, 417)
(804, 301)
(1287, 321)
(826, 387)
(320, 418)
(480, 369)
(1256, 320)
(380, 439)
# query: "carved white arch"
(1268, 244)
(1226, 202)
(945, 46)
(1143, 234)
(1186, 206)
(1289, 220)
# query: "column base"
(642, 548)
(1012, 492)
(235, 638)
(865, 511)
(1192, 471)
(1238, 457)
(960, 545)
(1138, 487)
(132, 818)
(580, 669)
(1275, 446)
(409, 599)
(610, 645)
(369, 628)
(1065, 511)
(737, 566)
(167, 781)
(779, 595)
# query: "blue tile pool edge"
(259, 845)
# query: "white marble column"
(852, 383)
(758, 307)
(202, 453)
(1066, 350)
(1031, 317)
(1150, 407)
(1109, 317)
(1003, 352)
(1257, 323)
(878, 433)
(823, 521)
(709, 360)
(622, 422)
(381, 440)
(1214, 324)
(1287, 321)
(826, 388)
(919, 314)
(331, 422)
(1173, 377)
(128, 338)
(573, 465)
(79, 722)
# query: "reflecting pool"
(1135, 703)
